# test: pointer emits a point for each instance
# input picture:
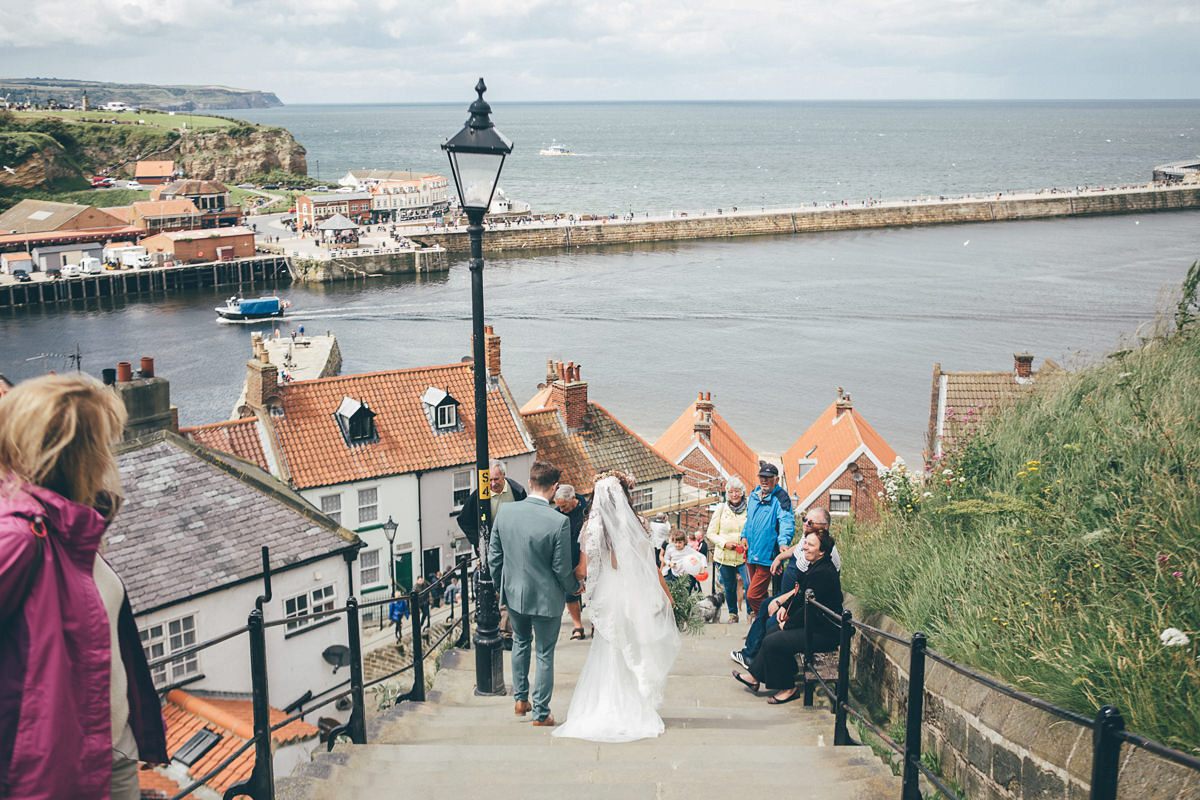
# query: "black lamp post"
(389, 530)
(476, 156)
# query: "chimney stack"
(491, 345)
(1023, 366)
(147, 399)
(843, 403)
(704, 408)
(262, 380)
(569, 395)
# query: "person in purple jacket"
(78, 709)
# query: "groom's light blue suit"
(530, 560)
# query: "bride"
(635, 639)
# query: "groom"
(530, 560)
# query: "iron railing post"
(464, 605)
(911, 789)
(840, 734)
(1106, 752)
(357, 726)
(418, 647)
(808, 653)
(261, 783)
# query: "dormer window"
(356, 422)
(441, 410)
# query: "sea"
(770, 326)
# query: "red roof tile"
(237, 437)
(733, 455)
(833, 441)
(317, 455)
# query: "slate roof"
(233, 720)
(194, 522)
(603, 443)
(969, 399)
(833, 441)
(734, 456)
(317, 455)
(239, 437)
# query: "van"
(90, 266)
(70, 271)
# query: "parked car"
(21, 275)
(270, 186)
(321, 188)
(70, 271)
(245, 186)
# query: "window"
(331, 506)
(300, 606)
(368, 505)
(447, 416)
(368, 567)
(165, 638)
(839, 502)
(643, 499)
(356, 421)
(462, 488)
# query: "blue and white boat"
(237, 308)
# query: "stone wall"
(934, 212)
(364, 265)
(997, 747)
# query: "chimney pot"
(124, 372)
(147, 367)
(109, 375)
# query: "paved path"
(721, 742)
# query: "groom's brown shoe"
(545, 722)
(523, 707)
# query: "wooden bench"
(826, 666)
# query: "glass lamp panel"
(476, 175)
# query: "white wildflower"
(1173, 637)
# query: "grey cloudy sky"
(429, 50)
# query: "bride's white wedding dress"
(635, 641)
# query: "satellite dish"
(337, 655)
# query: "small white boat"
(555, 149)
(254, 308)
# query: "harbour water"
(769, 326)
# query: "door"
(403, 567)
(432, 561)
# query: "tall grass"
(1055, 548)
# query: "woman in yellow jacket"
(727, 543)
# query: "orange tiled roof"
(317, 455)
(175, 207)
(237, 437)
(834, 440)
(539, 402)
(603, 443)
(154, 169)
(734, 456)
(186, 714)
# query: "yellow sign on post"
(485, 484)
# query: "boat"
(555, 149)
(238, 308)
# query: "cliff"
(235, 154)
(34, 159)
(69, 93)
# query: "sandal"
(740, 678)
(577, 635)
(775, 701)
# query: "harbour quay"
(262, 270)
(1003, 207)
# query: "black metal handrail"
(1108, 727)
(260, 784)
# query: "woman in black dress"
(775, 665)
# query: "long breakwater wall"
(506, 237)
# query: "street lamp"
(389, 530)
(476, 156)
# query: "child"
(681, 561)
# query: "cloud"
(423, 50)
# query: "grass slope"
(1059, 544)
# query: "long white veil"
(624, 597)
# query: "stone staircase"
(720, 743)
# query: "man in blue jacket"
(769, 527)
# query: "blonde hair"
(55, 432)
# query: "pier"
(269, 270)
(505, 237)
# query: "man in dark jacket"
(503, 490)
(575, 507)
